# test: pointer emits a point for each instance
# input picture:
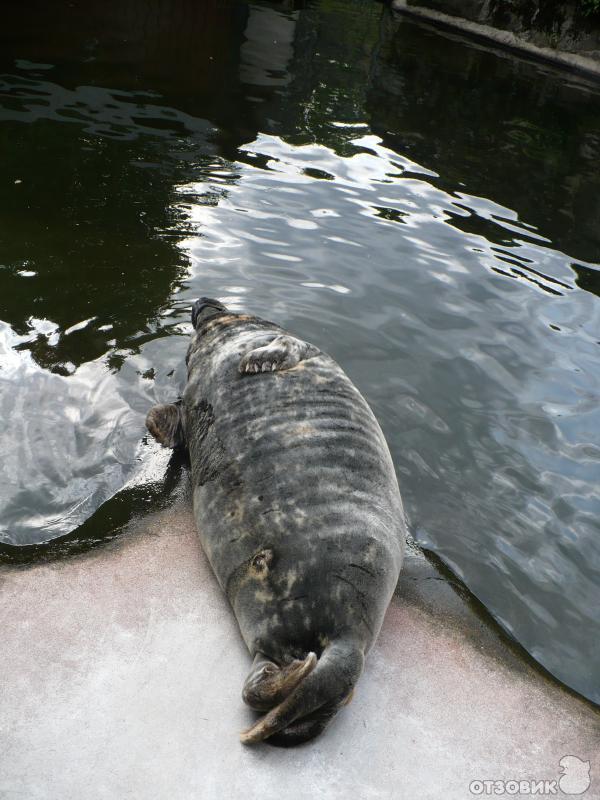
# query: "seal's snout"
(204, 308)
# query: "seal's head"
(205, 309)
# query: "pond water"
(424, 209)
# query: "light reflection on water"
(460, 316)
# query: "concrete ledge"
(501, 38)
(122, 671)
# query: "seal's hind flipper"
(326, 688)
(268, 684)
(284, 352)
(164, 423)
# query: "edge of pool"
(504, 39)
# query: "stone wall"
(544, 23)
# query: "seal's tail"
(316, 699)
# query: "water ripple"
(446, 259)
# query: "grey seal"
(298, 508)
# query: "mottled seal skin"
(298, 508)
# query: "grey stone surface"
(122, 671)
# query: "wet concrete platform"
(122, 668)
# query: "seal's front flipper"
(284, 352)
(164, 423)
(267, 684)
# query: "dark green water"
(425, 210)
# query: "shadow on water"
(423, 208)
